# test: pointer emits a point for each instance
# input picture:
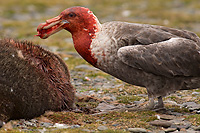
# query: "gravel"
(102, 128)
(137, 130)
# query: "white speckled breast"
(104, 48)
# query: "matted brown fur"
(32, 80)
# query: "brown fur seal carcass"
(32, 80)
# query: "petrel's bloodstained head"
(73, 19)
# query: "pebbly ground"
(106, 104)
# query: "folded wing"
(172, 57)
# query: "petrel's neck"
(83, 39)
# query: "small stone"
(196, 128)
(187, 98)
(196, 107)
(182, 130)
(141, 95)
(137, 130)
(46, 124)
(44, 119)
(33, 120)
(87, 78)
(92, 92)
(185, 126)
(104, 107)
(31, 124)
(88, 121)
(158, 116)
(161, 131)
(198, 112)
(173, 126)
(81, 97)
(108, 85)
(115, 125)
(142, 100)
(161, 123)
(189, 131)
(102, 128)
(176, 121)
(118, 85)
(120, 89)
(170, 102)
(175, 113)
(137, 102)
(109, 98)
(75, 126)
(167, 117)
(130, 106)
(99, 92)
(77, 83)
(195, 93)
(170, 130)
(86, 130)
(189, 104)
(61, 126)
(104, 122)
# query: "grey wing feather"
(144, 34)
(173, 57)
(151, 35)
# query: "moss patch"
(128, 99)
(113, 120)
(195, 119)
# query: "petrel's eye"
(71, 15)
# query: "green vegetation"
(123, 119)
(128, 99)
(195, 119)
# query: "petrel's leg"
(151, 104)
(160, 102)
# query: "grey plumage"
(159, 58)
